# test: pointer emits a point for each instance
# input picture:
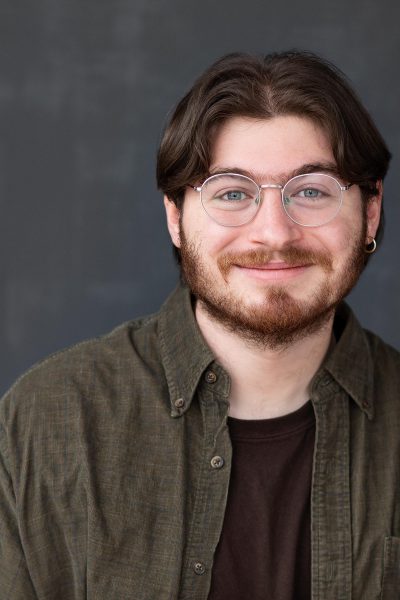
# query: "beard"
(278, 320)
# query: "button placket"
(210, 496)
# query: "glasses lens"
(313, 199)
(230, 200)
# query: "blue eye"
(234, 195)
(310, 193)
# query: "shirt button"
(217, 462)
(199, 568)
(211, 377)
(179, 403)
(325, 380)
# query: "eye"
(309, 193)
(229, 193)
(307, 196)
(233, 196)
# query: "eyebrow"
(316, 167)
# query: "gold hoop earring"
(371, 246)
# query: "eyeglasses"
(310, 200)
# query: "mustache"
(292, 256)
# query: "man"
(243, 443)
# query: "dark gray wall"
(85, 87)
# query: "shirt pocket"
(391, 569)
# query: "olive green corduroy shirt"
(115, 462)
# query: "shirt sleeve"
(15, 581)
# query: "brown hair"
(289, 83)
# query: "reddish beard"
(280, 319)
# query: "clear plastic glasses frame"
(309, 200)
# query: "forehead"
(270, 148)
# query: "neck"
(265, 383)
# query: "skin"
(270, 375)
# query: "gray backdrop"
(85, 88)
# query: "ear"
(374, 207)
(173, 220)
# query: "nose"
(271, 226)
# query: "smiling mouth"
(274, 270)
(269, 264)
(274, 266)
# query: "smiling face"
(271, 280)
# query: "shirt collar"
(350, 362)
(186, 356)
(184, 353)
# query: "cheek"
(344, 233)
(344, 243)
(209, 237)
(212, 247)
(337, 242)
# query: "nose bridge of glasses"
(271, 186)
(276, 186)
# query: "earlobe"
(173, 220)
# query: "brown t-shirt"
(265, 550)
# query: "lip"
(274, 271)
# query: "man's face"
(271, 280)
